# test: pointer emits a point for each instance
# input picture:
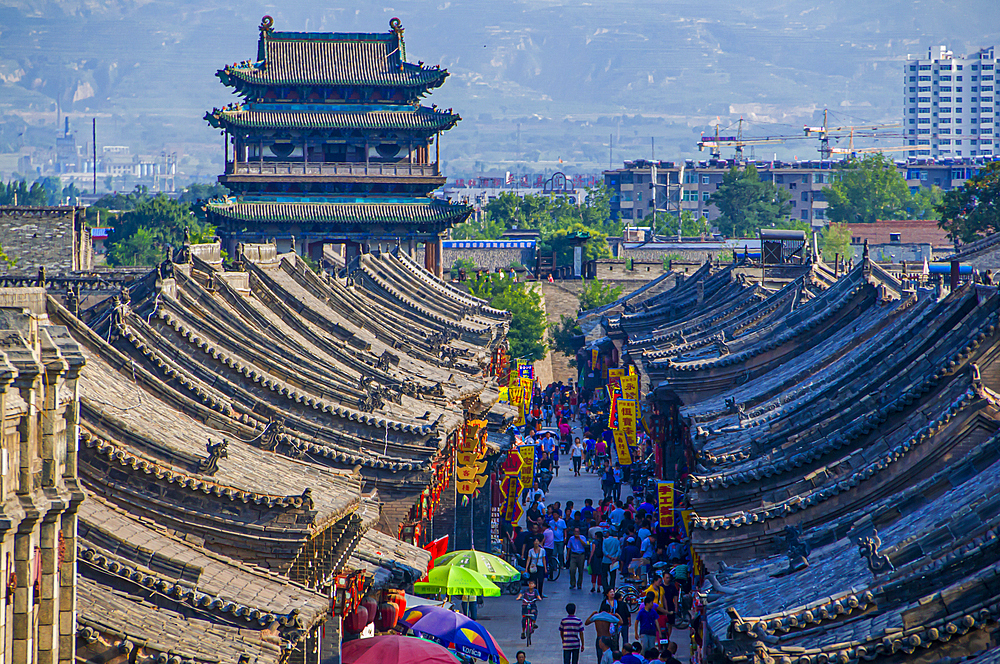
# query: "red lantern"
(371, 606)
(401, 603)
(387, 616)
(356, 620)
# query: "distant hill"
(571, 74)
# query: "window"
(690, 195)
(923, 121)
(958, 78)
(913, 90)
(923, 131)
(779, 179)
(925, 67)
(987, 67)
(820, 214)
(986, 130)
(913, 110)
(945, 78)
(690, 178)
(705, 179)
(975, 68)
(925, 100)
(924, 110)
(923, 141)
(987, 78)
(959, 68)
(974, 120)
(924, 78)
(913, 79)
(805, 179)
(705, 195)
(987, 88)
(945, 88)
(805, 196)
(913, 100)
(946, 109)
(805, 214)
(944, 131)
(638, 196)
(925, 88)
(913, 68)
(945, 141)
(957, 89)
(958, 120)
(792, 203)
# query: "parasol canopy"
(493, 568)
(395, 649)
(454, 631)
(454, 580)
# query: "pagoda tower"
(331, 145)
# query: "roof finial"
(397, 26)
(266, 24)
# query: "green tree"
(17, 191)
(527, 324)
(486, 227)
(596, 293)
(923, 203)
(836, 241)
(167, 223)
(972, 211)
(561, 241)
(746, 203)
(567, 337)
(463, 264)
(690, 226)
(139, 248)
(867, 190)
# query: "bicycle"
(529, 614)
(514, 587)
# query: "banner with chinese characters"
(594, 352)
(615, 373)
(519, 420)
(631, 370)
(665, 503)
(526, 386)
(527, 453)
(525, 370)
(621, 447)
(504, 396)
(626, 418)
(515, 394)
(630, 386)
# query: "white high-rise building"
(950, 108)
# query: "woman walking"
(537, 566)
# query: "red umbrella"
(394, 649)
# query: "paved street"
(502, 615)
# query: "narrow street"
(502, 615)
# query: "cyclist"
(529, 607)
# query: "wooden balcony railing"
(326, 168)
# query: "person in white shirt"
(576, 452)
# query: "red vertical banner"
(665, 503)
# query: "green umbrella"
(454, 580)
(493, 568)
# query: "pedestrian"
(610, 562)
(549, 544)
(647, 628)
(616, 489)
(596, 556)
(559, 538)
(602, 625)
(607, 478)
(529, 606)
(627, 655)
(613, 603)
(578, 546)
(605, 645)
(521, 658)
(576, 452)
(535, 562)
(571, 633)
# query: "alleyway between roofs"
(502, 615)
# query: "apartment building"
(690, 184)
(949, 104)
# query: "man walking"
(577, 546)
(571, 633)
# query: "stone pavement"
(502, 615)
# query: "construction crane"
(824, 132)
(714, 144)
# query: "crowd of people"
(614, 541)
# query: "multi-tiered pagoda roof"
(330, 145)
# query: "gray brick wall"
(51, 237)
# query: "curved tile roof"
(342, 118)
(358, 213)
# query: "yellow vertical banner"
(630, 386)
(594, 352)
(504, 395)
(626, 419)
(527, 453)
(621, 447)
(665, 503)
(631, 370)
(615, 373)
(526, 386)
(519, 420)
(514, 393)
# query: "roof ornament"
(797, 550)
(397, 26)
(266, 24)
(868, 543)
(216, 451)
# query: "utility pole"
(93, 140)
(611, 146)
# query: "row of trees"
(41, 192)
(556, 218)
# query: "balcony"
(331, 169)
